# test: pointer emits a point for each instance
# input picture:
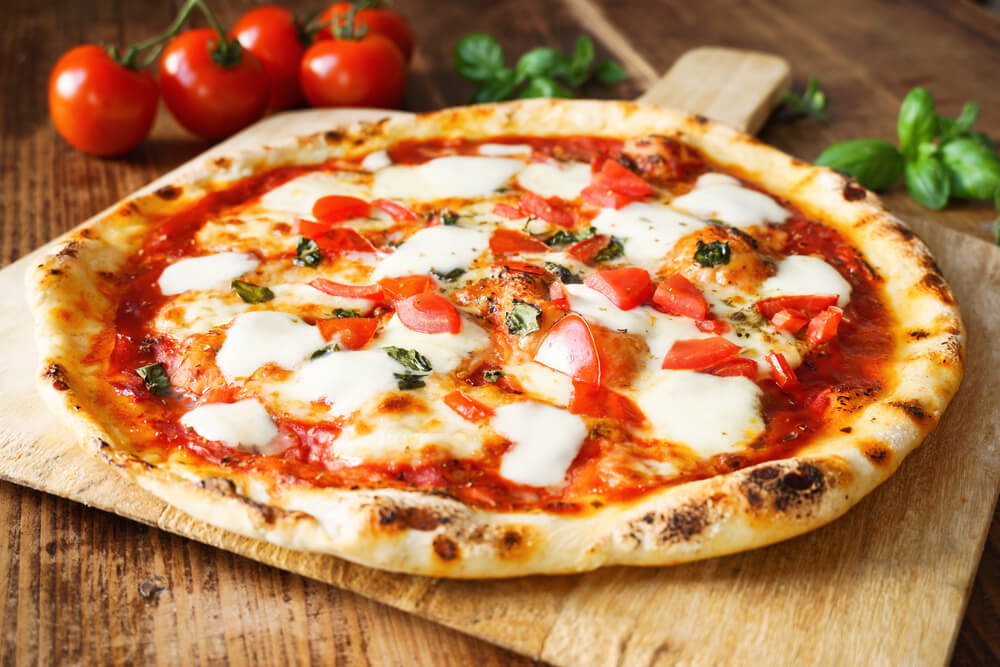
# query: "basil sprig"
(155, 377)
(251, 293)
(812, 102)
(522, 318)
(541, 72)
(419, 366)
(712, 254)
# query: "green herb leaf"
(543, 86)
(450, 276)
(409, 358)
(493, 374)
(155, 378)
(578, 70)
(500, 87)
(522, 318)
(251, 293)
(449, 218)
(563, 237)
(562, 273)
(712, 254)
(326, 349)
(407, 381)
(983, 140)
(918, 122)
(974, 169)
(811, 103)
(307, 253)
(543, 61)
(876, 164)
(608, 71)
(950, 128)
(478, 57)
(928, 182)
(613, 250)
(341, 313)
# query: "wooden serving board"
(885, 584)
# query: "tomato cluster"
(104, 102)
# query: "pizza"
(490, 341)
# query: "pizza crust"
(432, 534)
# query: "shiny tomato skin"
(385, 22)
(332, 209)
(271, 34)
(402, 287)
(626, 288)
(511, 241)
(569, 347)
(351, 332)
(697, 353)
(677, 295)
(429, 313)
(366, 72)
(208, 99)
(99, 106)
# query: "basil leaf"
(155, 378)
(450, 276)
(983, 140)
(712, 254)
(325, 350)
(928, 182)
(974, 169)
(341, 313)
(543, 86)
(493, 375)
(562, 273)
(613, 250)
(498, 88)
(578, 70)
(543, 61)
(608, 71)
(251, 293)
(876, 164)
(522, 318)
(409, 358)
(307, 253)
(918, 122)
(478, 57)
(449, 218)
(812, 102)
(951, 128)
(407, 381)
(562, 237)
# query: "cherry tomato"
(338, 208)
(699, 353)
(596, 401)
(824, 326)
(504, 241)
(508, 211)
(782, 371)
(791, 321)
(615, 177)
(467, 407)
(569, 348)
(209, 99)
(373, 292)
(550, 210)
(810, 305)
(429, 313)
(365, 72)
(402, 287)
(398, 212)
(99, 106)
(343, 240)
(732, 367)
(378, 20)
(351, 332)
(677, 295)
(272, 35)
(626, 288)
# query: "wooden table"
(85, 586)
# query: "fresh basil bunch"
(541, 72)
(939, 157)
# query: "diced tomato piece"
(396, 211)
(467, 407)
(713, 326)
(783, 373)
(616, 177)
(732, 367)
(810, 305)
(373, 292)
(626, 288)
(311, 229)
(699, 353)
(604, 197)
(789, 320)
(404, 286)
(429, 313)
(596, 401)
(522, 267)
(677, 295)
(569, 348)
(823, 327)
(508, 211)
(340, 240)
(597, 162)
(588, 248)
(338, 208)
(351, 332)
(558, 295)
(550, 210)
(504, 241)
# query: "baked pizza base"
(431, 534)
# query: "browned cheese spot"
(403, 518)
(55, 272)
(701, 120)
(445, 548)
(402, 404)
(222, 162)
(57, 376)
(168, 192)
(853, 192)
(333, 136)
(912, 408)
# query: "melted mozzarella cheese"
(805, 275)
(445, 351)
(549, 385)
(297, 196)
(708, 414)
(545, 440)
(453, 176)
(301, 294)
(549, 180)
(264, 336)
(197, 273)
(500, 150)
(442, 248)
(648, 230)
(244, 425)
(667, 330)
(721, 197)
(376, 160)
(345, 380)
(596, 308)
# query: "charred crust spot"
(918, 334)
(222, 162)
(684, 523)
(54, 272)
(332, 136)
(69, 250)
(218, 485)
(416, 518)
(912, 408)
(853, 192)
(846, 429)
(445, 548)
(57, 375)
(88, 234)
(701, 120)
(169, 192)
(786, 488)
(933, 282)
(903, 231)
(878, 454)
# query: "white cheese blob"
(805, 275)
(376, 160)
(441, 248)
(500, 150)
(297, 196)
(345, 380)
(303, 293)
(549, 180)
(598, 309)
(453, 176)
(543, 382)
(198, 273)
(648, 231)
(265, 336)
(445, 351)
(667, 330)
(244, 425)
(545, 440)
(708, 414)
(721, 197)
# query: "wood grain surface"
(84, 586)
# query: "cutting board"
(886, 584)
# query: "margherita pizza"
(491, 341)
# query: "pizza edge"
(430, 534)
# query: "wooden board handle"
(738, 88)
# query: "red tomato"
(791, 321)
(558, 295)
(396, 211)
(699, 353)
(810, 305)
(373, 292)
(712, 326)
(209, 99)
(504, 241)
(782, 371)
(588, 248)
(429, 313)
(823, 327)
(342, 240)
(468, 407)
(508, 211)
(603, 197)
(733, 367)
(596, 401)
(351, 332)
(677, 295)
(366, 72)
(310, 228)
(338, 208)
(550, 210)
(99, 106)
(272, 35)
(626, 288)
(569, 347)
(378, 20)
(406, 286)
(616, 177)
(522, 267)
